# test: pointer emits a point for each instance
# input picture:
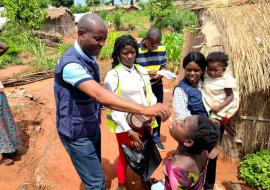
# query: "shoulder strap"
(118, 88)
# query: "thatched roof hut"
(60, 20)
(241, 29)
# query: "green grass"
(107, 50)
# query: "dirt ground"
(43, 162)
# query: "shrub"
(64, 3)
(91, 3)
(173, 43)
(79, 8)
(103, 14)
(17, 42)
(25, 12)
(143, 33)
(255, 169)
(40, 51)
(106, 51)
(163, 14)
(117, 20)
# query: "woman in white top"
(131, 82)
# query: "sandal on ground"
(8, 161)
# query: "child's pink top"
(177, 178)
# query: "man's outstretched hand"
(158, 109)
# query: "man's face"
(152, 43)
(93, 39)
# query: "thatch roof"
(54, 13)
(245, 36)
(204, 4)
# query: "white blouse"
(132, 86)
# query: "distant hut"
(132, 8)
(60, 20)
(240, 28)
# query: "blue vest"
(195, 103)
(77, 115)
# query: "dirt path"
(44, 164)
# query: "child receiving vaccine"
(220, 93)
(186, 169)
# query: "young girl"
(220, 94)
(186, 169)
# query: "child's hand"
(216, 109)
(1, 87)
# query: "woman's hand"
(136, 139)
(216, 109)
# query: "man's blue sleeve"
(75, 74)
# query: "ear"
(80, 33)
(188, 143)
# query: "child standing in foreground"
(220, 93)
(186, 169)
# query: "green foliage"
(163, 14)
(25, 12)
(117, 20)
(1, 3)
(64, 3)
(24, 41)
(143, 33)
(62, 48)
(38, 49)
(79, 8)
(91, 3)
(17, 42)
(173, 43)
(107, 50)
(103, 14)
(255, 169)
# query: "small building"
(60, 20)
(133, 8)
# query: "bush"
(143, 33)
(173, 43)
(79, 8)
(25, 12)
(64, 3)
(17, 42)
(117, 20)
(163, 14)
(43, 62)
(255, 169)
(106, 51)
(103, 14)
(91, 3)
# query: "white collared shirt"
(132, 86)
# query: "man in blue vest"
(78, 96)
(152, 56)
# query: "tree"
(25, 12)
(91, 3)
(131, 2)
(65, 3)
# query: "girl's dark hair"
(205, 136)
(218, 57)
(196, 57)
(119, 44)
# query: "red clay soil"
(43, 162)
